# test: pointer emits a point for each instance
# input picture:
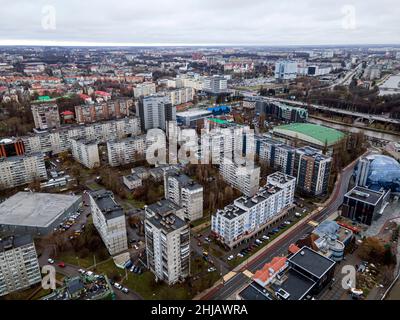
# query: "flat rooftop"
(295, 284)
(33, 209)
(164, 215)
(317, 132)
(365, 195)
(15, 242)
(311, 261)
(106, 203)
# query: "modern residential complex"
(185, 192)
(19, 170)
(167, 242)
(215, 84)
(154, 111)
(312, 170)
(109, 220)
(248, 215)
(281, 111)
(180, 96)
(45, 116)
(19, 265)
(11, 147)
(85, 152)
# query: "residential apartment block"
(19, 265)
(125, 151)
(112, 109)
(144, 89)
(109, 220)
(180, 96)
(185, 192)
(248, 215)
(154, 111)
(312, 170)
(86, 152)
(57, 141)
(167, 242)
(45, 116)
(19, 170)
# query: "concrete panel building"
(19, 265)
(109, 220)
(86, 152)
(167, 242)
(45, 116)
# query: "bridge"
(358, 115)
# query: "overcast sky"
(219, 22)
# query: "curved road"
(223, 292)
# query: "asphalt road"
(223, 292)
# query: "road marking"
(248, 274)
(313, 223)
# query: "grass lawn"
(71, 257)
(148, 289)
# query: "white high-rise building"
(144, 89)
(85, 152)
(286, 182)
(286, 70)
(248, 215)
(245, 178)
(215, 84)
(19, 265)
(109, 220)
(167, 242)
(184, 192)
(180, 96)
(19, 170)
(154, 111)
(45, 116)
(125, 151)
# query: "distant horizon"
(82, 44)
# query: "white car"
(49, 260)
(125, 290)
(81, 271)
(212, 269)
(230, 257)
(240, 255)
(118, 286)
(258, 241)
(265, 237)
(287, 222)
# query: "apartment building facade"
(86, 152)
(58, 141)
(19, 170)
(144, 89)
(154, 111)
(19, 265)
(112, 109)
(248, 215)
(185, 192)
(109, 220)
(45, 116)
(312, 171)
(167, 242)
(125, 151)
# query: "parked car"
(258, 241)
(125, 290)
(240, 255)
(230, 257)
(61, 264)
(118, 286)
(49, 260)
(265, 237)
(81, 271)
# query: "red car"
(61, 264)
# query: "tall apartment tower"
(125, 151)
(85, 152)
(185, 192)
(109, 220)
(19, 265)
(154, 111)
(46, 116)
(312, 170)
(167, 242)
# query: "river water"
(367, 132)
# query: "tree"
(372, 250)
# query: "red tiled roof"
(270, 269)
